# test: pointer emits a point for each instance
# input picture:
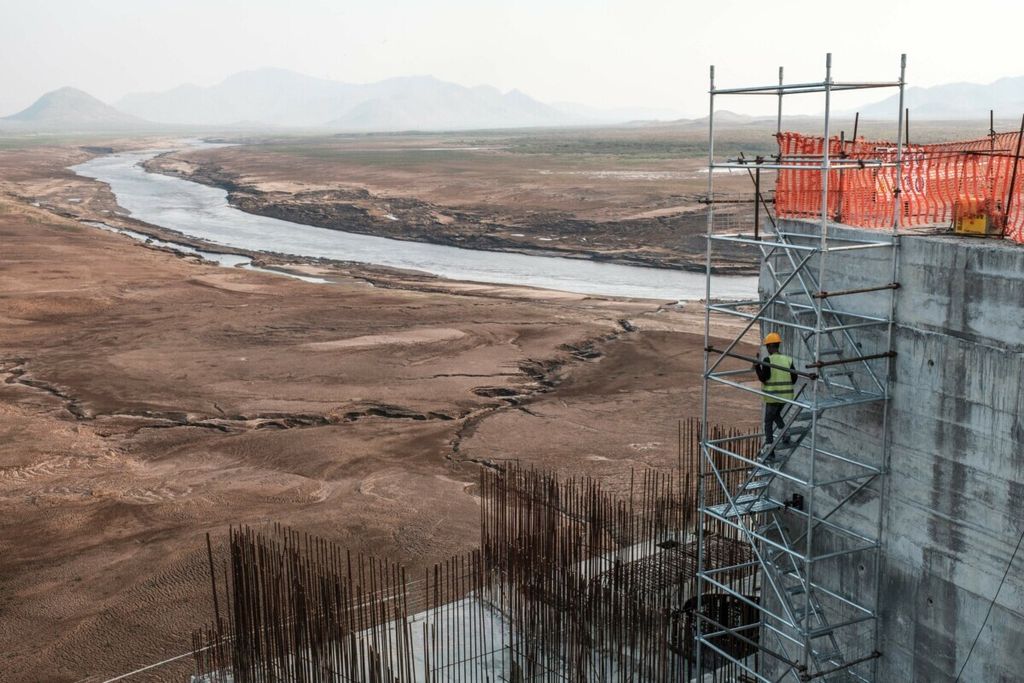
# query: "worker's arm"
(762, 370)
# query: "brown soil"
(147, 399)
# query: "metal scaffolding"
(809, 505)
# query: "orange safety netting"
(935, 178)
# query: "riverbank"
(321, 191)
(149, 398)
(203, 212)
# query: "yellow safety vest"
(780, 383)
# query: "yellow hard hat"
(772, 338)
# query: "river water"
(203, 212)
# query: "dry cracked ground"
(148, 399)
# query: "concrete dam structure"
(884, 517)
(952, 502)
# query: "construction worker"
(777, 383)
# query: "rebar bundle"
(570, 583)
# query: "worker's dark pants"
(772, 418)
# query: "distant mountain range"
(277, 97)
(280, 98)
(70, 108)
(954, 101)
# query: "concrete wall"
(953, 503)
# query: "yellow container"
(975, 217)
(971, 225)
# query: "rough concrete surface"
(953, 500)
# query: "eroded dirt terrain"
(147, 399)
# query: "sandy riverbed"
(484, 198)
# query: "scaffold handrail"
(864, 317)
(841, 401)
(838, 528)
(732, 309)
(725, 588)
(881, 241)
(802, 88)
(836, 596)
(871, 470)
(702, 639)
(768, 364)
(742, 238)
(801, 166)
(734, 632)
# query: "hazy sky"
(614, 53)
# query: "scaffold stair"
(802, 303)
(788, 503)
(750, 504)
(752, 496)
(808, 612)
(801, 312)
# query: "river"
(203, 212)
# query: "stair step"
(841, 373)
(755, 484)
(800, 612)
(745, 505)
(782, 452)
(775, 462)
(796, 590)
(779, 458)
(744, 500)
(830, 656)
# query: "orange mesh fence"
(935, 177)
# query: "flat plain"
(150, 398)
